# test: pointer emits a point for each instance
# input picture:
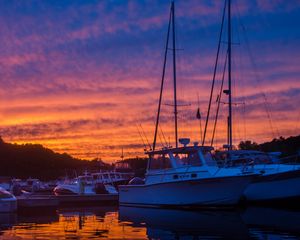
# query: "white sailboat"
(183, 176)
(277, 181)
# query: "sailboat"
(277, 181)
(184, 175)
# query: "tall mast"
(174, 73)
(229, 79)
(162, 82)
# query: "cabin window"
(191, 159)
(160, 161)
(209, 160)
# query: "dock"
(53, 201)
(86, 199)
(37, 201)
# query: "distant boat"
(8, 202)
(183, 176)
(86, 184)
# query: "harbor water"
(112, 222)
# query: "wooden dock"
(39, 201)
(88, 199)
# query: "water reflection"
(170, 224)
(271, 223)
(146, 223)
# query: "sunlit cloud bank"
(83, 77)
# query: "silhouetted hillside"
(34, 160)
(288, 146)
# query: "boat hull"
(219, 191)
(8, 205)
(277, 186)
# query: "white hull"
(212, 191)
(8, 205)
(66, 189)
(277, 186)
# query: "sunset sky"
(82, 77)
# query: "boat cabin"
(186, 156)
(242, 157)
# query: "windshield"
(187, 159)
(160, 161)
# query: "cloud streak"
(80, 76)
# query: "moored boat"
(8, 202)
(185, 176)
(277, 182)
(84, 185)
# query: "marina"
(130, 120)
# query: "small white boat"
(112, 177)
(185, 176)
(277, 181)
(84, 185)
(8, 202)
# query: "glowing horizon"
(78, 77)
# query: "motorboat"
(84, 185)
(8, 202)
(277, 182)
(112, 177)
(185, 176)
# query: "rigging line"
(145, 136)
(268, 111)
(244, 118)
(160, 139)
(297, 122)
(145, 147)
(214, 75)
(219, 100)
(199, 116)
(163, 135)
(159, 136)
(162, 81)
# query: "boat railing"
(293, 159)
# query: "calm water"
(141, 223)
